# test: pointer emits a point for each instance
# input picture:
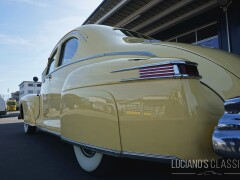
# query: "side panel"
(90, 116)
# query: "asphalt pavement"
(44, 156)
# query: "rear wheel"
(29, 129)
(93, 162)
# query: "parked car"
(226, 137)
(111, 91)
(3, 110)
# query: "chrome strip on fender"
(156, 64)
(93, 148)
(134, 155)
(139, 53)
(151, 157)
(182, 76)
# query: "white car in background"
(2, 107)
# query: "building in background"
(29, 87)
(211, 23)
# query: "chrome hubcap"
(88, 153)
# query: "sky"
(29, 30)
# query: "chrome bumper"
(226, 137)
(226, 143)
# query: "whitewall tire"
(89, 161)
(93, 162)
(29, 129)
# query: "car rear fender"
(89, 114)
(30, 108)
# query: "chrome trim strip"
(229, 122)
(183, 76)
(232, 106)
(93, 148)
(184, 62)
(180, 76)
(173, 62)
(139, 53)
(49, 131)
(137, 79)
(151, 157)
(134, 155)
(154, 68)
(232, 126)
(226, 143)
(154, 73)
(232, 101)
(175, 68)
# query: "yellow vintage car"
(111, 91)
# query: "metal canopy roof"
(148, 16)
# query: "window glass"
(69, 49)
(38, 85)
(30, 85)
(30, 91)
(52, 63)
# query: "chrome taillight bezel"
(159, 70)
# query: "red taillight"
(169, 70)
(156, 71)
(182, 69)
(190, 70)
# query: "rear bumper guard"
(226, 137)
